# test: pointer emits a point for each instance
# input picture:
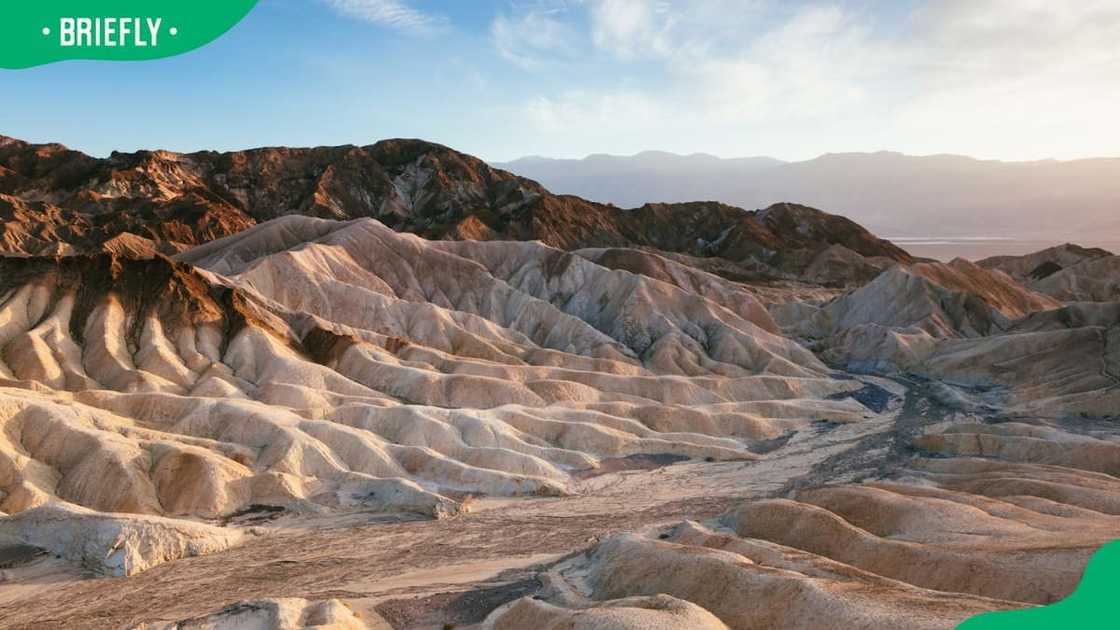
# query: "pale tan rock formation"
(114, 545)
(1094, 280)
(275, 614)
(658, 612)
(1039, 265)
(970, 326)
(957, 299)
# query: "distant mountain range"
(890, 193)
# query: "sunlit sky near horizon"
(792, 79)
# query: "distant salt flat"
(946, 248)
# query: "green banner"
(35, 32)
(1092, 605)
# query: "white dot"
(46, 30)
(174, 31)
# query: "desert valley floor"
(393, 387)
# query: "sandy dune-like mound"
(753, 583)
(275, 614)
(1037, 442)
(659, 612)
(735, 297)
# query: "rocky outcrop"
(958, 299)
(1039, 265)
(968, 325)
(1095, 280)
(1067, 272)
(113, 544)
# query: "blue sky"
(1007, 79)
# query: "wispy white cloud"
(532, 36)
(618, 108)
(632, 28)
(818, 62)
(396, 14)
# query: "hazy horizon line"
(704, 154)
(586, 157)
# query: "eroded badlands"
(335, 424)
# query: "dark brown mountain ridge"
(54, 200)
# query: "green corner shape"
(1094, 604)
(30, 30)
